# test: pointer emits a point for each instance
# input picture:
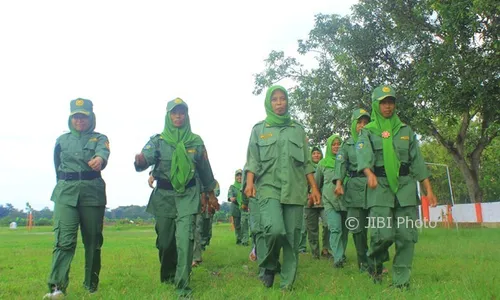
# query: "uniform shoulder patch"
(339, 157)
(360, 145)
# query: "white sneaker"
(56, 294)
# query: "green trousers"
(245, 220)
(359, 234)
(197, 238)
(175, 243)
(393, 225)
(312, 216)
(206, 232)
(259, 242)
(237, 229)
(66, 221)
(338, 233)
(303, 236)
(281, 224)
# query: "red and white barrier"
(461, 213)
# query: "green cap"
(358, 113)
(81, 106)
(383, 92)
(239, 171)
(173, 103)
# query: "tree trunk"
(471, 179)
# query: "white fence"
(466, 213)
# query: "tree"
(443, 58)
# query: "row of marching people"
(369, 176)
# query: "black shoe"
(244, 244)
(238, 242)
(268, 278)
(339, 264)
(375, 273)
(402, 287)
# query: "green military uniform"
(335, 211)
(235, 192)
(197, 238)
(258, 241)
(203, 232)
(79, 199)
(278, 157)
(208, 217)
(312, 216)
(354, 182)
(390, 149)
(183, 171)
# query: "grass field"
(448, 265)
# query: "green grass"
(447, 265)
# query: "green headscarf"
(356, 115)
(182, 169)
(329, 160)
(386, 128)
(316, 148)
(272, 118)
(82, 106)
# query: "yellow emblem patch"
(405, 137)
(266, 136)
(177, 100)
(191, 150)
(362, 111)
(79, 102)
(106, 144)
(386, 89)
(94, 139)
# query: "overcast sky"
(130, 58)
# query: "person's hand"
(140, 160)
(151, 180)
(244, 207)
(432, 199)
(316, 195)
(213, 202)
(339, 190)
(372, 181)
(96, 163)
(233, 199)
(250, 191)
(310, 201)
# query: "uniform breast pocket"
(267, 148)
(164, 164)
(402, 146)
(296, 149)
(89, 149)
(377, 145)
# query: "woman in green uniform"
(312, 215)
(354, 196)
(334, 209)
(79, 197)
(234, 195)
(182, 171)
(278, 163)
(389, 155)
(316, 156)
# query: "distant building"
(13, 225)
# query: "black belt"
(404, 170)
(353, 174)
(87, 175)
(167, 185)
